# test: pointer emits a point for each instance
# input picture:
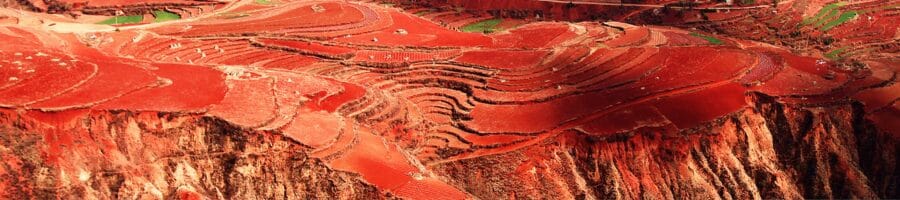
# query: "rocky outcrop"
(771, 151)
(128, 155)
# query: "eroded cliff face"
(128, 155)
(768, 151)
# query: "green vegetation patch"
(484, 26)
(835, 54)
(827, 10)
(831, 16)
(846, 16)
(711, 39)
(162, 15)
(130, 19)
(824, 19)
(264, 2)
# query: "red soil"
(330, 103)
(291, 91)
(631, 37)
(879, 98)
(249, 103)
(14, 36)
(682, 39)
(112, 80)
(767, 66)
(419, 33)
(400, 57)
(294, 16)
(252, 7)
(309, 47)
(291, 62)
(60, 75)
(503, 59)
(626, 119)
(803, 76)
(315, 129)
(708, 104)
(673, 75)
(385, 166)
(533, 36)
(535, 117)
(192, 89)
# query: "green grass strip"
(835, 54)
(711, 39)
(484, 26)
(264, 2)
(846, 16)
(830, 15)
(130, 19)
(162, 15)
(824, 11)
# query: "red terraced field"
(503, 59)
(638, 116)
(54, 74)
(534, 36)
(407, 57)
(804, 76)
(507, 24)
(255, 92)
(290, 62)
(766, 67)
(631, 37)
(316, 129)
(181, 88)
(879, 98)
(419, 33)
(310, 47)
(716, 102)
(250, 8)
(340, 99)
(682, 39)
(296, 15)
(112, 80)
(330, 102)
